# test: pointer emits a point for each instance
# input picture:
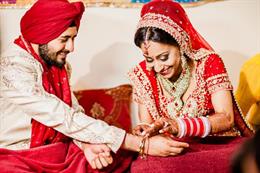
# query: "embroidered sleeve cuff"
(118, 136)
(219, 82)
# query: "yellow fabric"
(248, 92)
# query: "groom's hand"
(97, 155)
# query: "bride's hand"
(161, 125)
(170, 126)
(141, 129)
(145, 129)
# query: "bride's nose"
(158, 67)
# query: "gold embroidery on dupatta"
(165, 23)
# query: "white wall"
(105, 49)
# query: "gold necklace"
(176, 89)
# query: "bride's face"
(162, 58)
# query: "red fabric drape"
(210, 155)
(57, 158)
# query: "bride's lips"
(166, 71)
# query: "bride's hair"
(153, 34)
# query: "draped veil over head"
(171, 17)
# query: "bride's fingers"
(149, 132)
(139, 130)
(169, 129)
(166, 129)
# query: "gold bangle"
(145, 154)
(141, 147)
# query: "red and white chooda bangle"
(193, 127)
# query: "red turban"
(46, 19)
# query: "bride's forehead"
(155, 47)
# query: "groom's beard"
(51, 58)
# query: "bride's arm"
(223, 118)
(144, 122)
(143, 114)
